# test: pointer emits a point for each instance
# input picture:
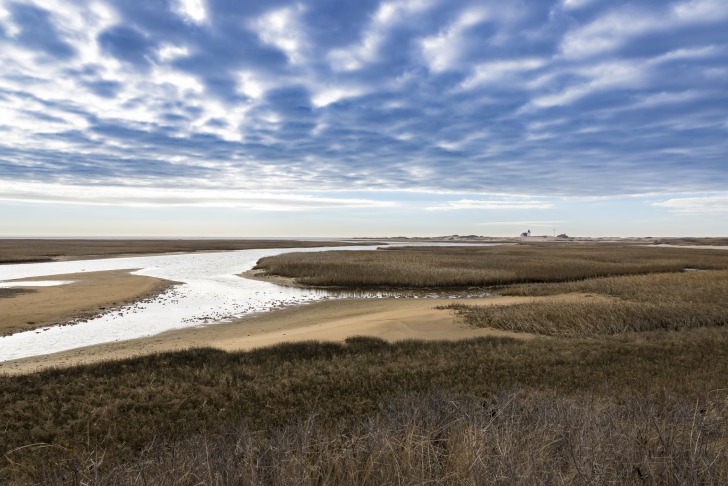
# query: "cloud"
(127, 44)
(599, 77)
(576, 4)
(491, 204)
(192, 10)
(280, 28)
(159, 197)
(494, 72)
(556, 98)
(33, 28)
(442, 51)
(717, 204)
(618, 27)
(522, 223)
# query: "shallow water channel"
(210, 292)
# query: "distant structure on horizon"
(526, 234)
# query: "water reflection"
(472, 293)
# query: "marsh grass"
(572, 319)
(117, 414)
(713, 241)
(704, 287)
(513, 437)
(670, 301)
(34, 250)
(447, 267)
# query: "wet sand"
(90, 294)
(389, 319)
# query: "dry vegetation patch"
(513, 437)
(13, 292)
(671, 301)
(116, 420)
(447, 267)
(651, 288)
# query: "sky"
(363, 118)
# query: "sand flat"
(90, 294)
(389, 319)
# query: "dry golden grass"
(671, 302)
(513, 437)
(173, 417)
(714, 241)
(432, 267)
(705, 287)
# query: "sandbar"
(90, 294)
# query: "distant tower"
(529, 233)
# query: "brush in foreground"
(513, 437)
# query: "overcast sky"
(366, 118)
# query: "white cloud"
(667, 98)
(700, 11)
(613, 74)
(443, 51)
(281, 28)
(599, 77)
(193, 10)
(692, 205)
(169, 52)
(694, 53)
(616, 28)
(11, 30)
(250, 84)
(492, 204)
(331, 94)
(607, 33)
(155, 196)
(353, 58)
(576, 4)
(465, 140)
(367, 50)
(536, 224)
(492, 72)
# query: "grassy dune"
(484, 266)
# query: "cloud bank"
(174, 101)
